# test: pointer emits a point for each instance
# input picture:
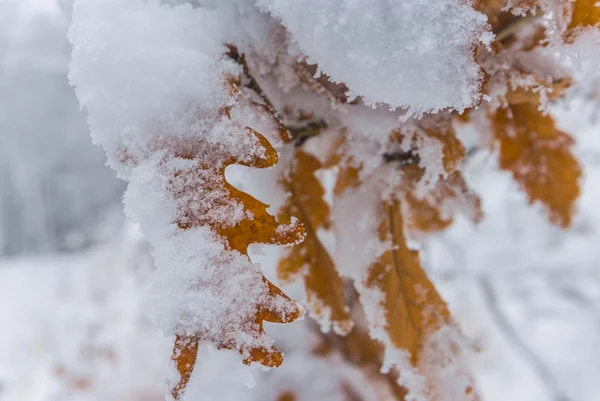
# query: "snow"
(94, 300)
(88, 326)
(55, 192)
(141, 84)
(542, 279)
(157, 102)
(415, 54)
(545, 281)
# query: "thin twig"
(302, 133)
(252, 82)
(515, 24)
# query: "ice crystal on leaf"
(171, 136)
(349, 109)
(324, 286)
(418, 55)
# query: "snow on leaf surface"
(159, 102)
(539, 157)
(429, 213)
(310, 260)
(431, 207)
(404, 310)
(413, 310)
(411, 54)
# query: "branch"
(302, 133)
(252, 83)
(512, 26)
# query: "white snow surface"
(141, 84)
(74, 327)
(153, 79)
(413, 54)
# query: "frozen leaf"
(499, 11)
(412, 314)
(552, 90)
(412, 307)
(348, 177)
(584, 13)
(538, 156)
(432, 208)
(433, 144)
(203, 197)
(286, 396)
(430, 213)
(441, 130)
(185, 351)
(310, 260)
(401, 62)
(364, 351)
(161, 104)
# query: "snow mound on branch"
(414, 54)
(155, 81)
(147, 72)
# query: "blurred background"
(527, 293)
(56, 195)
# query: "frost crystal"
(414, 54)
(158, 87)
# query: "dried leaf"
(498, 11)
(204, 178)
(433, 210)
(287, 396)
(185, 351)
(364, 351)
(431, 213)
(553, 90)
(584, 13)
(538, 155)
(413, 308)
(348, 177)
(335, 92)
(453, 149)
(437, 128)
(310, 260)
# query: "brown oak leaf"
(539, 157)
(584, 13)
(310, 260)
(205, 198)
(413, 309)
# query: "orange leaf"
(362, 350)
(439, 129)
(408, 293)
(185, 351)
(538, 155)
(584, 13)
(432, 210)
(426, 214)
(413, 310)
(287, 396)
(554, 90)
(498, 11)
(310, 260)
(204, 198)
